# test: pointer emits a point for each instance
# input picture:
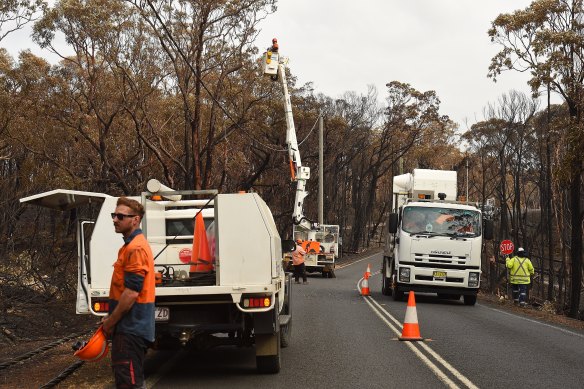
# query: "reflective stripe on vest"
(525, 275)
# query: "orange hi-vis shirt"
(298, 255)
(134, 269)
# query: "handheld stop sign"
(506, 247)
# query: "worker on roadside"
(130, 322)
(520, 272)
(298, 262)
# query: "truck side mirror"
(488, 231)
(393, 221)
(288, 245)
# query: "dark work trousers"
(519, 293)
(128, 352)
(300, 270)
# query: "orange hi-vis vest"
(134, 269)
(298, 255)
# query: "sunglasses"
(121, 216)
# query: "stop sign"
(506, 247)
(185, 255)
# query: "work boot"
(305, 282)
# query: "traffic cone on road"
(368, 270)
(365, 285)
(411, 330)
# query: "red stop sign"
(506, 247)
(185, 255)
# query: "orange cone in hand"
(365, 285)
(411, 330)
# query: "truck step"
(285, 319)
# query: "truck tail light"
(257, 302)
(100, 306)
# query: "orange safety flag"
(201, 260)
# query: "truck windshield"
(442, 221)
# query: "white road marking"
(352, 263)
(378, 309)
(418, 353)
(536, 322)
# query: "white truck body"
(434, 245)
(193, 308)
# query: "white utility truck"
(434, 243)
(320, 241)
(243, 301)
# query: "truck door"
(65, 200)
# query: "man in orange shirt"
(298, 262)
(130, 322)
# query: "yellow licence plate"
(439, 274)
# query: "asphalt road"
(343, 340)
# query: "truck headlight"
(404, 274)
(473, 279)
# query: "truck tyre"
(385, 281)
(398, 295)
(269, 364)
(286, 334)
(470, 299)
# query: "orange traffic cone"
(368, 270)
(201, 256)
(411, 330)
(365, 285)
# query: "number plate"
(439, 274)
(161, 314)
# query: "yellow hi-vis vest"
(520, 269)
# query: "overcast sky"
(346, 45)
(439, 45)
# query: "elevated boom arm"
(275, 66)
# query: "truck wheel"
(398, 295)
(470, 299)
(268, 364)
(385, 281)
(285, 334)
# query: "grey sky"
(343, 45)
(439, 45)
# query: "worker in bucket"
(298, 262)
(520, 272)
(130, 322)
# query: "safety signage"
(506, 247)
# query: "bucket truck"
(320, 241)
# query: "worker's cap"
(274, 40)
(520, 250)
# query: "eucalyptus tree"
(15, 14)
(546, 40)
(206, 42)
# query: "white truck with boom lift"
(434, 245)
(243, 301)
(320, 241)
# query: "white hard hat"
(520, 250)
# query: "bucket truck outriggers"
(320, 241)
